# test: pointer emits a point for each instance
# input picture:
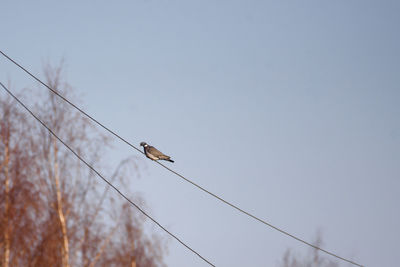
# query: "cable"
(179, 175)
(104, 179)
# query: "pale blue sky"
(288, 109)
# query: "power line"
(179, 175)
(104, 179)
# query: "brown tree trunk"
(133, 262)
(6, 260)
(65, 247)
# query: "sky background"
(290, 110)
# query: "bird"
(153, 153)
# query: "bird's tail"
(165, 157)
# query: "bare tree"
(61, 214)
(314, 259)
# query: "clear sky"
(289, 109)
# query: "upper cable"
(178, 174)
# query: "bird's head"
(143, 144)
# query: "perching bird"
(153, 153)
